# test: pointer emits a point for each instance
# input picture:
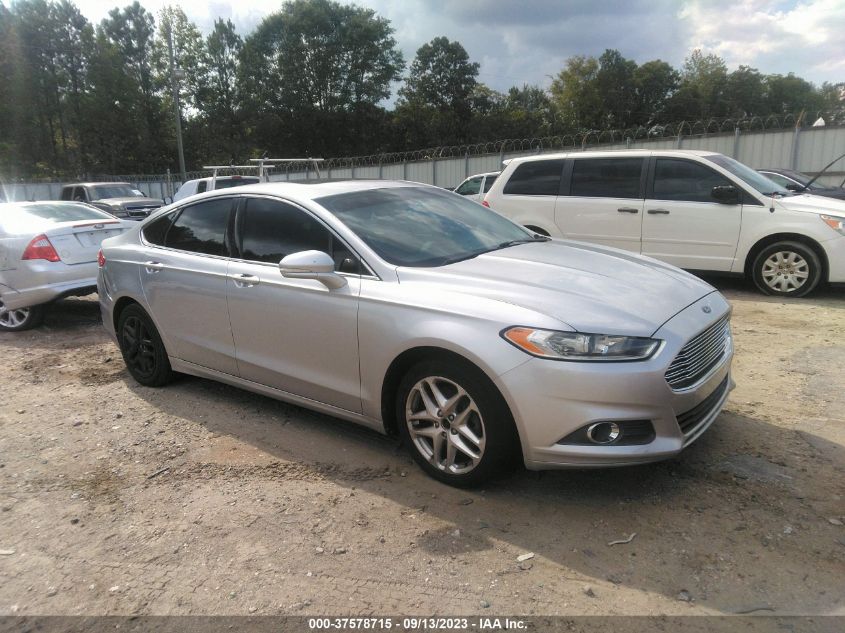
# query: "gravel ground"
(203, 499)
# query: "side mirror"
(312, 265)
(726, 194)
(793, 187)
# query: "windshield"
(754, 179)
(102, 192)
(423, 227)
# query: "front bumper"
(552, 399)
(38, 281)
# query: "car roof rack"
(216, 168)
(270, 163)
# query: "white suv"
(697, 210)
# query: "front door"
(293, 334)
(683, 224)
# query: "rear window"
(228, 183)
(535, 178)
(607, 178)
(62, 212)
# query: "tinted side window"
(676, 179)
(535, 178)
(67, 193)
(155, 231)
(201, 186)
(271, 230)
(470, 187)
(201, 228)
(489, 183)
(607, 177)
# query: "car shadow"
(738, 288)
(747, 491)
(75, 319)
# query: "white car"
(48, 250)
(697, 210)
(201, 185)
(476, 186)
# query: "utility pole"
(177, 115)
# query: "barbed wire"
(573, 141)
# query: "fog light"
(603, 432)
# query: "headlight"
(837, 224)
(580, 347)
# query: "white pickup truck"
(201, 185)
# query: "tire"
(142, 348)
(787, 269)
(20, 319)
(432, 434)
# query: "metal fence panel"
(807, 149)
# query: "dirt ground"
(203, 499)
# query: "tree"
(576, 93)
(702, 82)
(655, 82)
(616, 89)
(745, 93)
(790, 93)
(321, 66)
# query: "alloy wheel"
(138, 346)
(445, 425)
(13, 318)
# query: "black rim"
(138, 347)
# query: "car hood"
(810, 203)
(591, 288)
(130, 200)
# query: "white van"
(697, 210)
(476, 186)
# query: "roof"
(598, 153)
(95, 184)
(312, 189)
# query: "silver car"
(48, 250)
(412, 310)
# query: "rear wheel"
(787, 269)
(142, 348)
(455, 423)
(20, 319)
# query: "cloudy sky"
(527, 41)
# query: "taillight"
(41, 248)
(101, 259)
(485, 203)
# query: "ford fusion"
(411, 310)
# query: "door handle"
(153, 267)
(245, 281)
(658, 211)
(628, 210)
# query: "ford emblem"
(707, 309)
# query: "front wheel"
(20, 319)
(455, 423)
(142, 348)
(787, 269)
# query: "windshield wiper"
(525, 240)
(465, 256)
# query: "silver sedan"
(48, 250)
(411, 310)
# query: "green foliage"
(79, 99)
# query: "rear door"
(184, 280)
(294, 334)
(602, 200)
(683, 224)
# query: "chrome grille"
(701, 354)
